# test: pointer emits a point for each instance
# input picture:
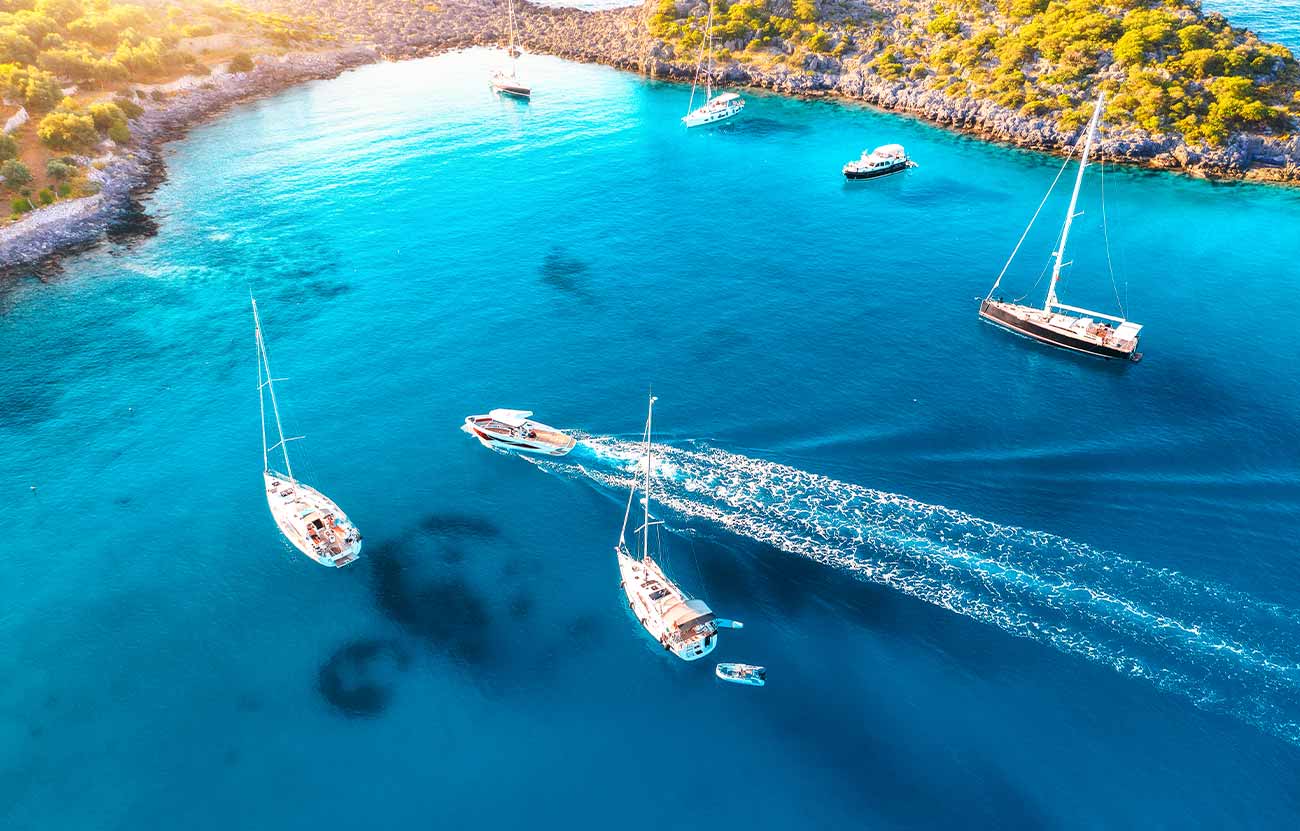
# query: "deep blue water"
(995, 586)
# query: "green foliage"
(65, 130)
(64, 190)
(105, 115)
(15, 174)
(20, 205)
(119, 132)
(945, 24)
(37, 89)
(805, 11)
(59, 170)
(46, 196)
(8, 148)
(241, 63)
(129, 108)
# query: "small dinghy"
(742, 674)
(891, 158)
(514, 431)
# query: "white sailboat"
(508, 83)
(307, 518)
(1056, 324)
(715, 108)
(683, 626)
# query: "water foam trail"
(1224, 649)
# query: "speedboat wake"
(1229, 652)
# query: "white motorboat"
(715, 107)
(742, 674)
(515, 431)
(1054, 323)
(884, 160)
(508, 83)
(684, 626)
(307, 518)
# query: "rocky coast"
(620, 38)
(124, 173)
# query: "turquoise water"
(995, 586)
(1273, 20)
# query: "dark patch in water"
(521, 606)
(446, 612)
(249, 702)
(586, 628)
(122, 501)
(351, 680)
(453, 555)
(36, 731)
(459, 525)
(763, 127)
(512, 567)
(231, 757)
(721, 343)
(563, 271)
(30, 401)
(302, 289)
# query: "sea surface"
(996, 586)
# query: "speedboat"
(891, 158)
(509, 84)
(718, 108)
(515, 431)
(742, 674)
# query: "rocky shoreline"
(612, 37)
(618, 38)
(74, 224)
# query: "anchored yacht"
(508, 83)
(515, 431)
(715, 107)
(684, 626)
(307, 518)
(1054, 323)
(891, 158)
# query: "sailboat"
(1055, 323)
(508, 83)
(307, 518)
(715, 108)
(683, 626)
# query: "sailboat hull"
(1036, 324)
(641, 580)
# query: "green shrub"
(8, 148)
(46, 196)
(129, 108)
(105, 115)
(20, 205)
(120, 133)
(15, 173)
(68, 131)
(59, 170)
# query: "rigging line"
(1041, 274)
(1021, 242)
(1105, 232)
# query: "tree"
(241, 63)
(15, 173)
(59, 170)
(120, 133)
(105, 115)
(8, 148)
(68, 131)
(61, 10)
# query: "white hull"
(311, 521)
(642, 580)
(741, 674)
(526, 437)
(708, 114)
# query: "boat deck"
(1078, 333)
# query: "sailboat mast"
(513, 61)
(275, 408)
(1074, 201)
(645, 528)
(708, 45)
